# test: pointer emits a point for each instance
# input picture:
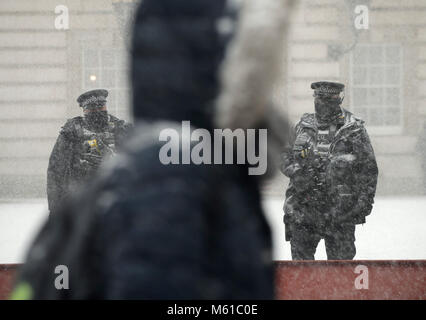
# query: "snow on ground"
(19, 223)
(396, 229)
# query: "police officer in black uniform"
(333, 177)
(83, 143)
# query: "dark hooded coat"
(144, 230)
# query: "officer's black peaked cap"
(93, 98)
(325, 87)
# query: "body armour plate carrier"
(96, 146)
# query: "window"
(107, 68)
(376, 87)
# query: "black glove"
(301, 180)
(89, 163)
(92, 160)
(354, 215)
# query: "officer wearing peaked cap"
(333, 176)
(83, 144)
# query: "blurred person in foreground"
(144, 230)
(82, 145)
(333, 177)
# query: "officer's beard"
(97, 120)
(327, 111)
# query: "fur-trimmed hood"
(214, 63)
(185, 68)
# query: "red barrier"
(351, 280)
(7, 273)
(317, 280)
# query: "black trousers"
(339, 241)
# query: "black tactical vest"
(95, 146)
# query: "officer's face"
(97, 118)
(85, 111)
(327, 99)
(326, 106)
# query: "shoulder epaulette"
(308, 118)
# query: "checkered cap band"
(93, 101)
